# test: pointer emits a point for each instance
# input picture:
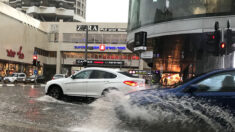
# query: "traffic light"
(229, 40)
(213, 42)
(222, 49)
(35, 60)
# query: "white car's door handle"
(106, 81)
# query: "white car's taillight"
(131, 83)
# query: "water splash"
(169, 114)
(177, 114)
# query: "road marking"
(10, 85)
(0, 85)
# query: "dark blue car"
(217, 87)
(206, 102)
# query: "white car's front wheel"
(55, 92)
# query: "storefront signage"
(113, 29)
(141, 72)
(147, 55)
(100, 62)
(102, 47)
(12, 53)
(20, 54)
(90, 27)
(96, 28)
(97, 47)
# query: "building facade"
(106, 45)
(52, 10)
(177, 34)
(60, 46)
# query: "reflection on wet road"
(27, 109)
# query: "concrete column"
(141, 64)
(60, 42)
(58, 62)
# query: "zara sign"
(90, 27)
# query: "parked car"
(1, 78)
(57, 76)
(40, 79)
(94, 82)
(15, 77)
(216, 88)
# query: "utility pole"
(120, 55)
(86, 47)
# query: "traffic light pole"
(35, 79)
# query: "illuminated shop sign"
(100, 62)
(102, 47)
(90, 27)
(98, 47)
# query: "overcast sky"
(107, 10)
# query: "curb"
(23, 85)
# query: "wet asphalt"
(25, 108)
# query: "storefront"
(178, 34)
(7, 68)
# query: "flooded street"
(25, 108)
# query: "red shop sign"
(12, 53)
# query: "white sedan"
(94, 82)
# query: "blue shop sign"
(106, 47)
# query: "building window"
(95, 38)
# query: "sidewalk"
(20, 84)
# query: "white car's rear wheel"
(108, 90)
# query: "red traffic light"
(222, 45)
(35, 57)
(213, 36)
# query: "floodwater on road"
(27, 109)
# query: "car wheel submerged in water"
(108, 90)
(55, 92)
